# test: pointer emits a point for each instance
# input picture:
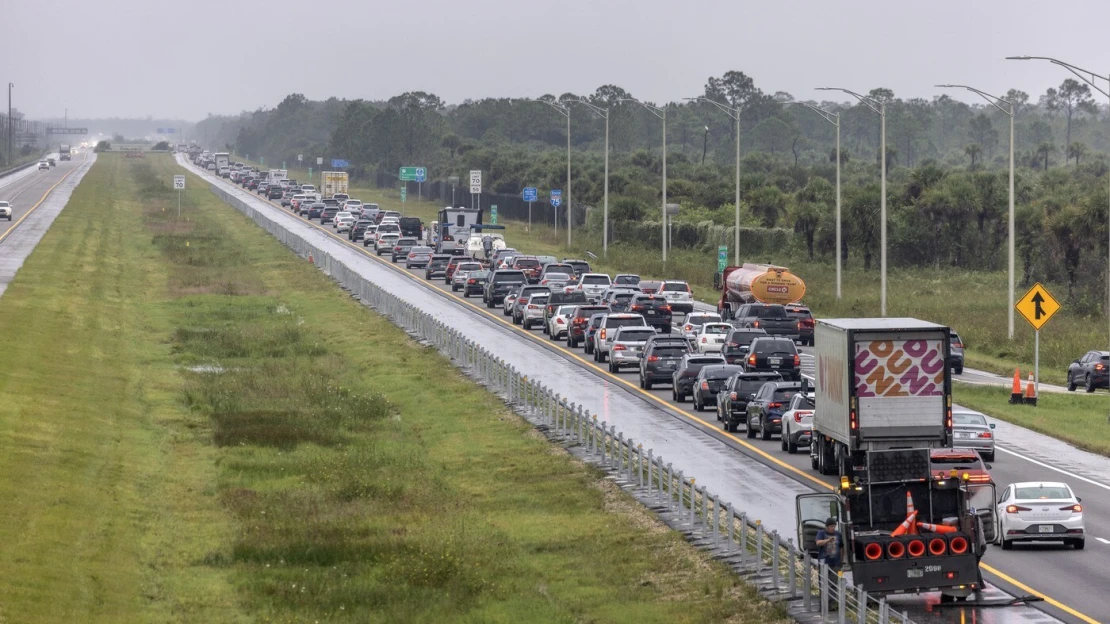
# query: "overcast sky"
(108, 58)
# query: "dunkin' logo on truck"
(899, 368)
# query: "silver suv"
(603, 337)
(5, 210)
(628, 346)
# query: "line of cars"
(748, 370)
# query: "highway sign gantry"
(1037, 306)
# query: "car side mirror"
(989, 467)
(1078, 500)
(1075, 361)
(992, 425)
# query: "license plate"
(915, 573)
(774, 361)
(1046, 528)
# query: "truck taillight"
(732, 396)
(853, 420)
(602, 334)
(948, 421)
(653, 358)
(774, 404)
(705, 385)
(665, 308)
(751, 360)
(755, 324)
(797, 361)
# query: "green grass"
(198, 426)
(1073, 418)
(110, 510)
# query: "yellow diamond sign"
(1037, 306)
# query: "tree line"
(947, 165)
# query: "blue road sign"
(421, 174)
(556, 197)
(530, 194)
(339, 162)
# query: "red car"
(530, 265)
(943, 461)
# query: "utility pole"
(10, 85)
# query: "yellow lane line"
(647, 395)
(37, 204)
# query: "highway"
(37, 196)
(1070, 581)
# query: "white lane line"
(1050, 467)
(1103, 540)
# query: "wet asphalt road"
(757, 476)
(37, 197)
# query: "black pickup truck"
(770, 317)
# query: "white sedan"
(1040, 511)
(691, 325)
(559, 321)
(711, 337)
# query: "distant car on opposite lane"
(1092, 371)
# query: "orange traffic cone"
(1015, 392)
(906, 525)
(311, 262)
(936, 528)
(1030, 392)
(909, 504)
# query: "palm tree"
(973, 150)
(1077, 150)
(1043, 150)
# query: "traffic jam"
(909, 471)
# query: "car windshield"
(467, 266)
(956, 459)
(512, 278)
(527, 263)
(635, 335)
(565, 310)
(623, 296)
(565, 269)
(595, 279)
(675, 287)
(538, 299)
(701, 319)
(717, 329)
(784, 395)
(1042, 491)
(627, 279)
(624, 322)
(805, 403)
(702, 361)
(719, 372)
(669, 351)
(964, 418)
(406, 241)
(557, 277)
(751, 386)
(771, 311)
(771, 347)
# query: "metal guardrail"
(778, 567)
(7, 172)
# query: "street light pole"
(834, 119)
(734, 113)
(661, 113)
(880, 108)
(10, 85)
(604, 112)
(994, 100)
(563, 110)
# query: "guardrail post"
(758, 546)
(714, 524)
(823, 596)
(884, 611)
(792, 567)
(693, 503)
(620, 451)
(775, 559)
(669, 486)
(861, 611)
(807, 582)
(743, 535)
(728, 528)
(640, 464)
(841, 599)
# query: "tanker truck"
(763, 283)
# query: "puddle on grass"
(214, 369)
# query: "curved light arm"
(604, 112)
(869, 102)
(1068, 66)
(728, 110)
(562, 108)
(993, 99)
(655, 110)
(829, 116)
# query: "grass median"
(1074, 418)
(203, 428)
